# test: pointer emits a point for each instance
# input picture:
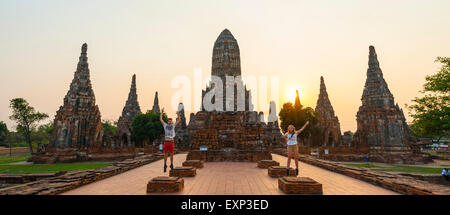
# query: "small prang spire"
(84, 48)
(155, 108)
(373, 61)
(297, 100)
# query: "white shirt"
(169, 130)
(291, 138)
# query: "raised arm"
(301, 129)
(161, 117)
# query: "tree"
(26, 118)
(3, 133)
(43, 133)
(109, 127)
(431, 113)
(297, 115)
(147, 127)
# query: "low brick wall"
(395, 182)
(25, 178)
(72, 180)
(15, 150)
(432, 178)
(392, 154)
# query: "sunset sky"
(297, 41)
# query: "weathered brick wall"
(14, 150)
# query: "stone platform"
(183, 172)
(229, 155)
(277, 171)
(164, 184)
(267, 163)
(299, 185)
(194, 163)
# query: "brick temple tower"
(155, 107)
(226, 62)
(77, 123)
(327, 121)
(225, 132)
(77, 127)
(130, 110)
(381, 124)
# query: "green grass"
(24, 144)
(48, 168)
(363, 165)
(13, 159)
(399, 168)
(437, 155)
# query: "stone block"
(277, 171)
(267, 163)
(194, 163)
(164, 184)
(183, 172)
(299, 185)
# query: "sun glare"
(291, 94)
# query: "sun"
(291, 94)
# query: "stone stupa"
(230, 130)
(381, 124)
(327, 121)
(130, 110)
(77, 127)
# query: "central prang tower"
(226, 62)
(227, 128)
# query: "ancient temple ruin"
(155, 107)
(77, 128)
(130, 110)
(226, 64)
(231, 130)
(274, 138)
(182, 139)
(327, 121)
(381, 124)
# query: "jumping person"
(169, 134)
(291, 139)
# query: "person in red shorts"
(169, 134)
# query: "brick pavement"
(228, 178)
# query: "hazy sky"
(298, 41)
